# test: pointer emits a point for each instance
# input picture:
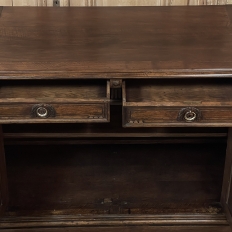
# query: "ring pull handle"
(43, 111)
(189, 114)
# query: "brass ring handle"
(42, 112)
(190, 116)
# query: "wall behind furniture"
(113, 2)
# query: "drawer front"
(29, 113)
(188, 102)
(177, 116)
(54, 101)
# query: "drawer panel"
(169, 116)
(172, 103)
(54, 102)
(63, 112)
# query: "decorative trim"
(112, 220)
(135, 121)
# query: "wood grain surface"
(79, 101)
(141, 42)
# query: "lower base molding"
(127, 229)
(114, 223)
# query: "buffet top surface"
(108, 42)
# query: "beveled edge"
(149, 74)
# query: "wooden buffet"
(116, 119)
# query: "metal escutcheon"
(42, 111)
(189, 114)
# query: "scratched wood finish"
(113, 2)
(75, 101)
(118, 46)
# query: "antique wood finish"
(226, 195)
(3, 177)
(169, 69)
(130, 229)
(167, 103)
(58, 102)
(80, 222)
(173, 42)
(76, 179)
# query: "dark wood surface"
(115, 42)
(178, 92)
(115, 179)
(129, 229)
(181, 179)
(85, 101)
(168, 116)
(53, 91)
(160, 102)
(4, 196)
(112, 130)
(229, 12)
(226, 195)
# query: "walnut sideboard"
(116, 119)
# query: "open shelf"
(120, 179)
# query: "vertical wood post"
(3, 176)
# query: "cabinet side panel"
(3, 176)
(226, 196)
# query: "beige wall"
(113, 2)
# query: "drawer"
(177, 102)
(54, 101)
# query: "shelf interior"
(115, 179)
